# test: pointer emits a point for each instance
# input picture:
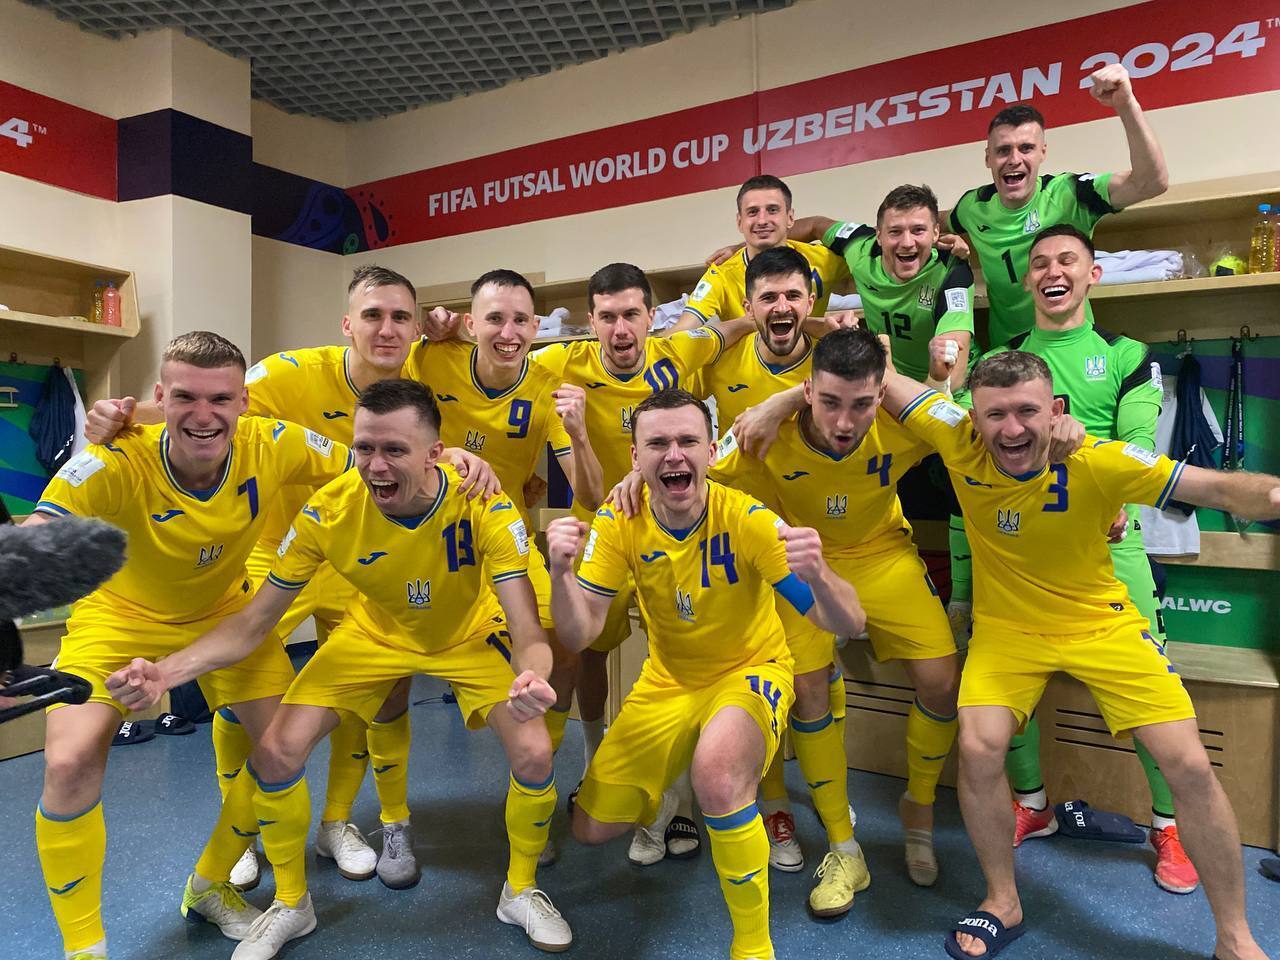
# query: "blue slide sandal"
(988, 928)
(1076, 819)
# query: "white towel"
(1139, 266)
(668, 313)
(844, 301)
(79, 443)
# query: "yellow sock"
(231, 746)
(820, 750)
(836, 694)
(929, 740)
(72, 850)
(284, 817)
(348, 760)
(237, 827)
(773, 785)
(529, 810)
(389, 751)
(556, 720)
(740, 850)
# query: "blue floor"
(1082, 900)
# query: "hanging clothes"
(53, 425)
(1193, 440)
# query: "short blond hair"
(202, 348)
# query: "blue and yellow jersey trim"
(44, 506)
(496, 394)
(779, 369)
(202, 495)
(596, 588)
(412, 523)
(1167, 493)
(685, 533)
(509, 575)
(925, 395)
(286, 584)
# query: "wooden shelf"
(1232, 551)
(1232, 665)
(75, 324)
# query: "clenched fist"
(564, 542)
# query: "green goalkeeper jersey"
(1109, 382)
(938, 299)
(1002, 238)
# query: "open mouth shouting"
(676, 481)
(1016, 452)
(1013, 179)
(384, 491)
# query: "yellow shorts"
(652, 741)
(325, 596)
(1126, 671)
(100, 641)
(355, 671)
(905, 619)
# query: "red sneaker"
(1174, 870)
(1032, 823)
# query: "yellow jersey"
(742, 379)
(311, 387)
(1040, 557)
(427, 578)
(706, 593)
(508, 428)
(722, 291)
(187, 548)
(852, 501)
(611, 399)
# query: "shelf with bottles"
(58, 294)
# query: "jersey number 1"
(457, 541)
(720, 555)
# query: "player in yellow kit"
(835, 467)
(498, 405)
(764, 217)
(192, 495)
(716, 686)
(1046, 599)
(318, 387)
(426, 563)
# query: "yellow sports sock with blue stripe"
(389, 751)
(929, 740)
(740, 851)
(284, 817)
(556, 719)
(231, 747)
(820, 749)
(773, 785)
(529, 810)
(348, 760)
(237, 827)
(836, 695)
(72, 851)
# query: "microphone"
(46, 565)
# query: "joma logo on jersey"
(419, 593)
(1033, 222)
(684, 605)
(1008, 521)
(927, 293)
(475, 440)
(209, 554)
(838, 505)
(1095, 367)
(627, 413)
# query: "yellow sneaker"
(840, 876)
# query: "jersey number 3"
(1057, 490)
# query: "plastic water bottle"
(96, 316)
(1260, 241)
(1275, 237)
(111, 305)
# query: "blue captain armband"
(796, 592)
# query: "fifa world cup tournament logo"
(419, 594)
(1007, 521)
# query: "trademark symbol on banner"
(22, 132)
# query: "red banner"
(1178, 51)
(53, 142)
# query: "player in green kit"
(1110, 384)
(1002, 217)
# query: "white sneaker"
(342, 842)
(784, 849)
(533, 911)
(247, 873)
(275, 928)
(221, 905)
(649, 842)
(96, 952)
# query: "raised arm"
(835, 607)
(1148, 176)
(757, 427)
(1254, 496)
(142, 683)
(578, 613)
(106, 418)
(581, 465)
(810, 229)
